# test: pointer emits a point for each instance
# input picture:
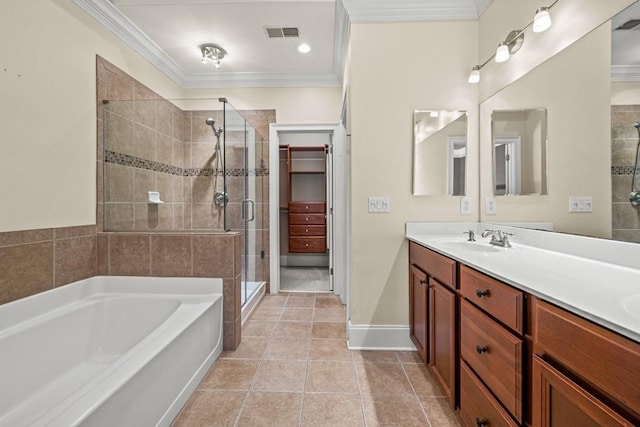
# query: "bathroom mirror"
(519, 151)
(439, 152)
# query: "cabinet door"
(418, 310)
(559, 402)
(442, 318)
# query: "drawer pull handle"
(423, 282)
(481, 349)
(481, 423)
(481, 293)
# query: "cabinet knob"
(306, 230)
(423, 282)
(306, 207)
(306, 245)
(480, 422)
(481, 349)
(482, 293)
(306, 218)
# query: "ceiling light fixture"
(304, 48)
(512, 43)
(212, 53)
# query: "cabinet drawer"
(436, 265)
(495, 354)
(307, 244)
(477, 406)
(606, 360)
(307, 207)
(307, 230)
(499, 300)
(311, 219)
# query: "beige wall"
(395, 69)
(292, 105)
(47, 105)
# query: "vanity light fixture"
(512, 43)
(212, 53)
(542, 20)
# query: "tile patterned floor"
(293, 368)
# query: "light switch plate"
(379, 204)
(466, 204)
(490, 206)
(580, 204)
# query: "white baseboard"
(379, 337)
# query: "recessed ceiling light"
(304, 48)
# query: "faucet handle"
(471, 233)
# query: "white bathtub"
(108, 351)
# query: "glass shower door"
(243, 160)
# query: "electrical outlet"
(490, 206)
(379, 204)
(580, 204)
(466, 204)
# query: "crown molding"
(222, 80)
(625, 73)
(413, 10)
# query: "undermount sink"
(470, 246)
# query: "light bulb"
(474, 76)
(216, 64)
(204, 59)
(542, 20)
(502, 53)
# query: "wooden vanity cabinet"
(433, 314)
(492, 349)
(582, 372)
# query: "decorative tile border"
(623, 170)
(140, 163)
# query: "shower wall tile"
(100, 217)
(12, 238)
(119, 183)
(25, 270)
(143, 182)
(178, 153)
(229, 291)
(99, 181)
(621, 186)
(177, 118)
(186, 127)
(151, 217)
(177, 185)
(164, 185)
(143, 93)
(119, 216)
(202, 155)
(75, 259)
(164, 115)
(178, 216)
(171, 256)
(625, 216)
(129, 255)
(206, 216)
(202, 191)
(74, 231)
(143, 143)
(238, 243)
(187, 155)
(100, 138)
(200, 130)
(623, 152)
(102, 267)
(145, 113)
(627, 235)
(165, 149)
(118, 87)
(213, 256)
(235, 188)
(119, 133)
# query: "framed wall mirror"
(439, 152)
(519, 140)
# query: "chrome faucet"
(472, 235)
(498, 238)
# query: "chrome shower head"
(210, 122)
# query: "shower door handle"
(246, 202)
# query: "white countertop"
(592, 285)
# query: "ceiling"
(168, 33)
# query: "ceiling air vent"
(632, 23)
(275, 33)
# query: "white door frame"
(340, 213)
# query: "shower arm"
(634, 196)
